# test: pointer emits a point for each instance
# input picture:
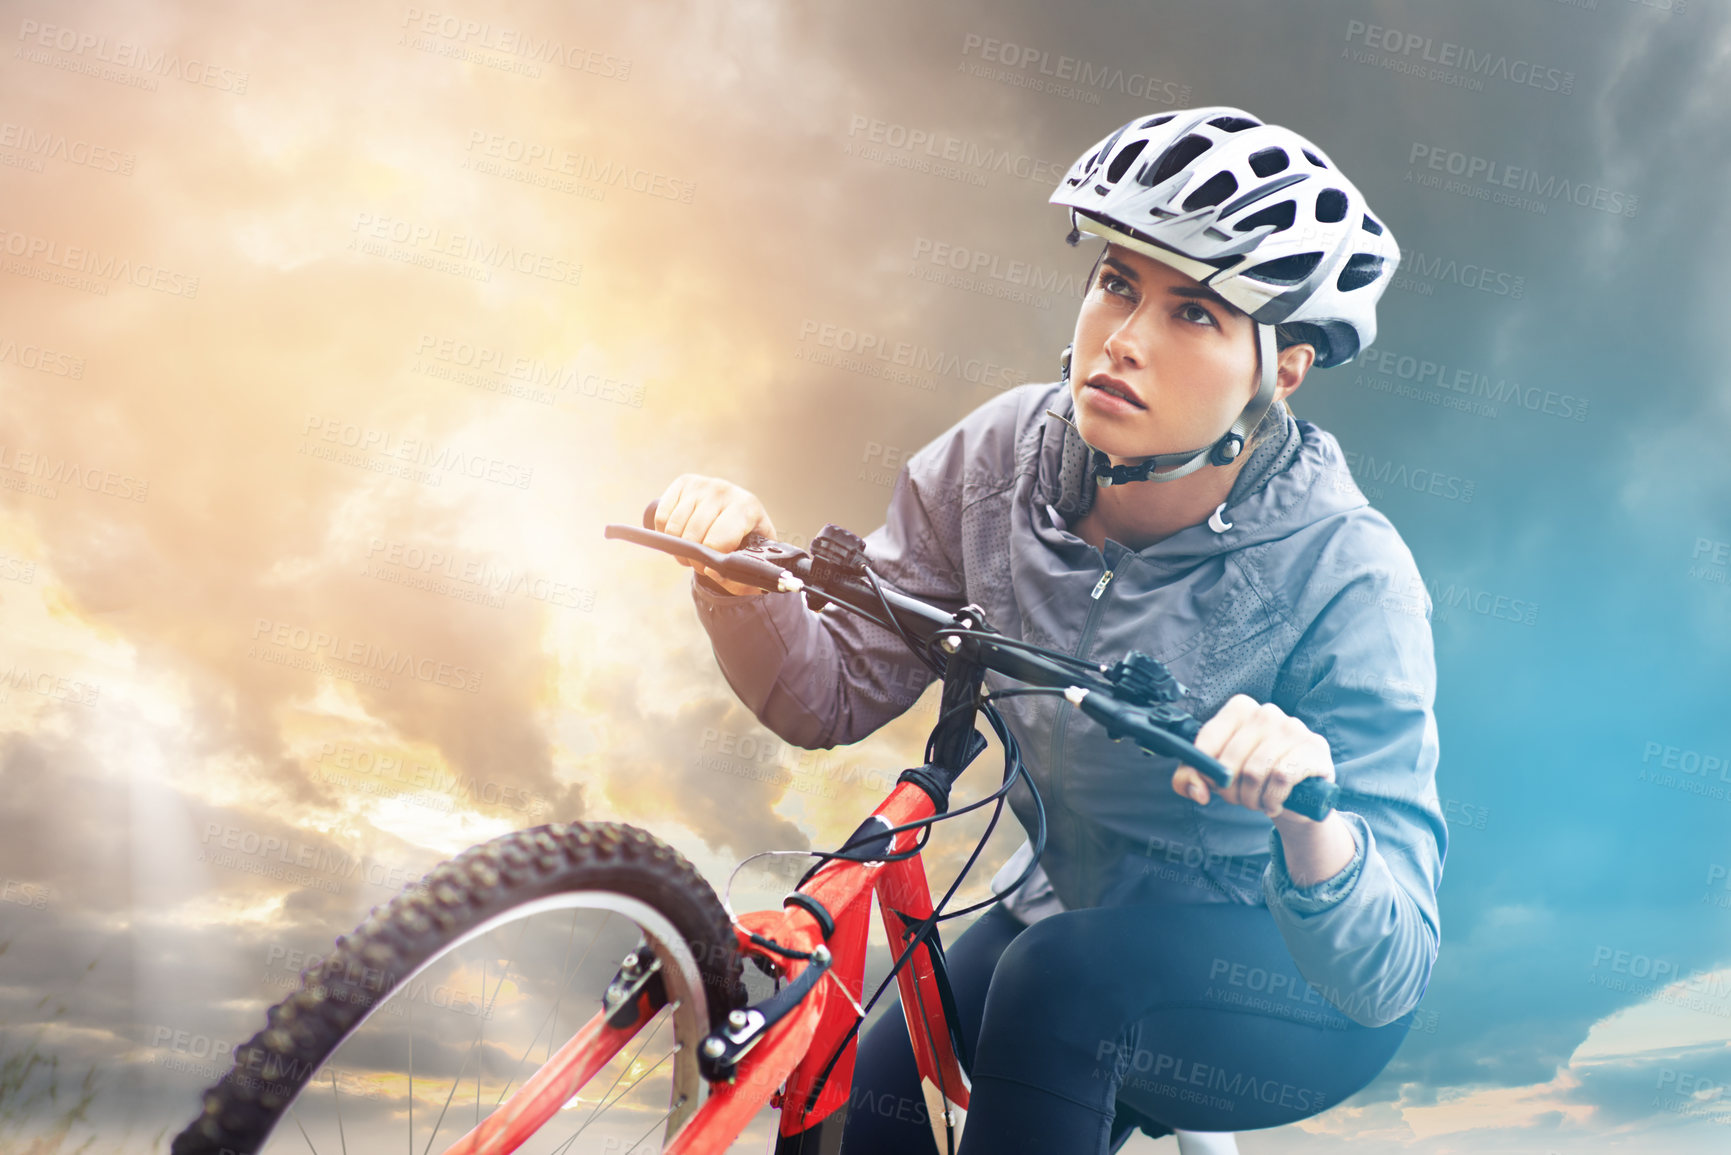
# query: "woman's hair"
(1284, 335)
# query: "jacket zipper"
(1061, 723)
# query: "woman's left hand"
(1268, 751)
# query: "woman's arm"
(1367, 937)
(1355, 894)
(824, 679)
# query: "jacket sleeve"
(824, 679)
(1367, 938)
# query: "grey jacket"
(1309, 599)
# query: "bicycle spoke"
(303, 1131)
(484, 1024)
(564, 981)
(455, 1083)
(626, 1069)
(602, 1107)
(337, 1101)
(411, 1074)
(680, 1103)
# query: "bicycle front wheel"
(449, 997)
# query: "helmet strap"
(1222, 452)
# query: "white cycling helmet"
(1258, 214)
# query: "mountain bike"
(665, 953)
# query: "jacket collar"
(1296, 476)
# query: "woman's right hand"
(714, 513)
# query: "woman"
(1187, 958)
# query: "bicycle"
(683, 951)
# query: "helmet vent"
(1179, 157)
(1280, 216)
(1234, 123)
(1372, 225)
(1314, 159)
(1214, 190)
(1155, 121)
(1286, 270)
(1122, 162)
(1269, 161)
(1330, 205)
(1360, 270)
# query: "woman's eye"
(1196, 314)
(1113, 283)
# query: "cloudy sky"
(352, 325)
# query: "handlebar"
(779, 568)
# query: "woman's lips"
(1112, 387)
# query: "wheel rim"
(324, 1116)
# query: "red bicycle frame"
(788, 1062)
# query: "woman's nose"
(1123, 346)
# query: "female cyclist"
(1184, 958)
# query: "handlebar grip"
(1314, 798)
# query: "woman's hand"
(1268, 751)
(714, 513)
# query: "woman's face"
(1185, 358)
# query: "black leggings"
(1093, 1022)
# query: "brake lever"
(759, 561)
